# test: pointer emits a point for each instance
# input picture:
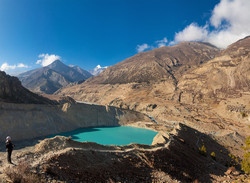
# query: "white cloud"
(5, 66)
(192, 33)
(161, 43)
(234, 14)
(156, 44)
(229, 22)
(100, 67)
(143, 47)
(47, 59)
(20, 65)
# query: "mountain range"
(52, 77)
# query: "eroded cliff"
(24, 121)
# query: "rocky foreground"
(181, 155)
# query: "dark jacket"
(9, 146)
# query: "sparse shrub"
(203, 150)
(22, 174)
(234, 160)
(233, 157)
(247, 147)
(213, 156)
(243, 114)
(245, 164)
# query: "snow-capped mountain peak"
(97, 70)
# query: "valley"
(201, 96)
(194, 94)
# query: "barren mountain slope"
(225, 76)
(161, 63)
(160, 66)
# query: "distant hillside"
(82, 71)
(52, 77)
(12, 91)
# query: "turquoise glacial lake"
(120, 135)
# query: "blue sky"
(91, 32)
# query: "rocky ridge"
(12, 91)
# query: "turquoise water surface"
(121, 135)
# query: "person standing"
(9, 148)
